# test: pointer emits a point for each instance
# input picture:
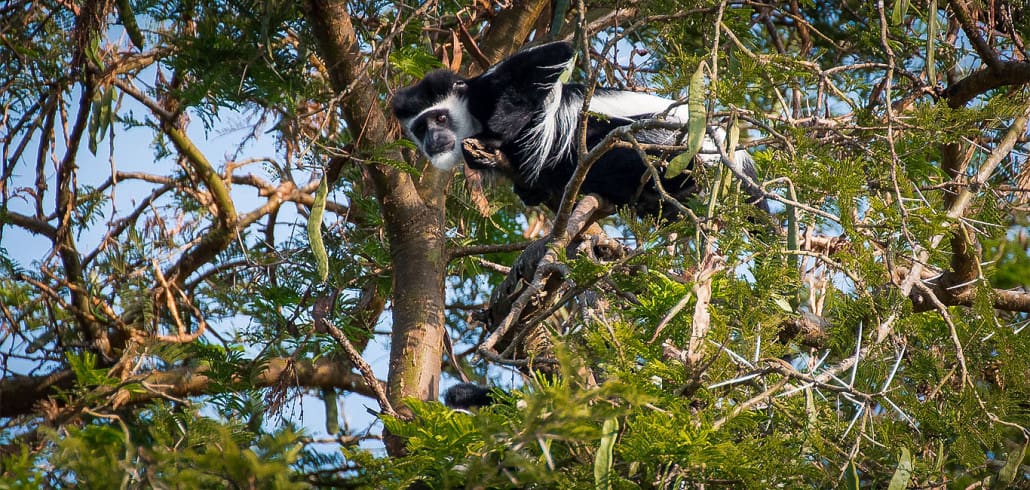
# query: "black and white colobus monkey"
(520, 107)
(467, 395)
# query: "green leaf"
(567, 74)
(733, 136)
(900, 9)
(86, 372)
(315, 231)
(696, 121)
(810, 406)
(100, 117)
(783, 304)
(1008, 473)
(81, 365)
(603, 458)
(851, 480)
(94, 122)
(931, 39)
(93, 52)
(679, 163)
(128, 19)
(414, 61)
(106, 104)
(903, 474)
(332, 411)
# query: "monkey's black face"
(434, 113)
(434, 129)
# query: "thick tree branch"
(33, 225)
(951, 290)
(366, 119)
(509, 29)
(958, 207)
(226, 223)
(20, 394)
(1006, 73)
(218, 237)
(64, 241)
(458, 253)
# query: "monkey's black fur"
(468, 395)
(520, 107)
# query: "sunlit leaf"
(696, 122)
(1008, 473)
(899, 11)
(850, 480)
(903, 474)
(315, 231)
(128, 19)
(603, 458)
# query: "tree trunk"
(414, 224)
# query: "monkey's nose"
(439, 142)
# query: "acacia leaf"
(903, 474)
(696, 121)
(315, 230)
(128, 19)
(603, 458)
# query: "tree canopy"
(209, 218)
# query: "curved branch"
(64, 240)
(964, 18)
(219, 237)
(950, 292)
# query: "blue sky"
(134, 152)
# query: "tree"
(159, 311)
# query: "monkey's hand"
(484, 154)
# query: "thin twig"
(363, 367)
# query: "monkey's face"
(435, 115)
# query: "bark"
(89, 23)
(952, 290)
(414, 224)
(413, 210)
(509, 29)
(956, 287)
(520, 304)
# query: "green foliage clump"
(164, 447)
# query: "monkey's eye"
(441, 118)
